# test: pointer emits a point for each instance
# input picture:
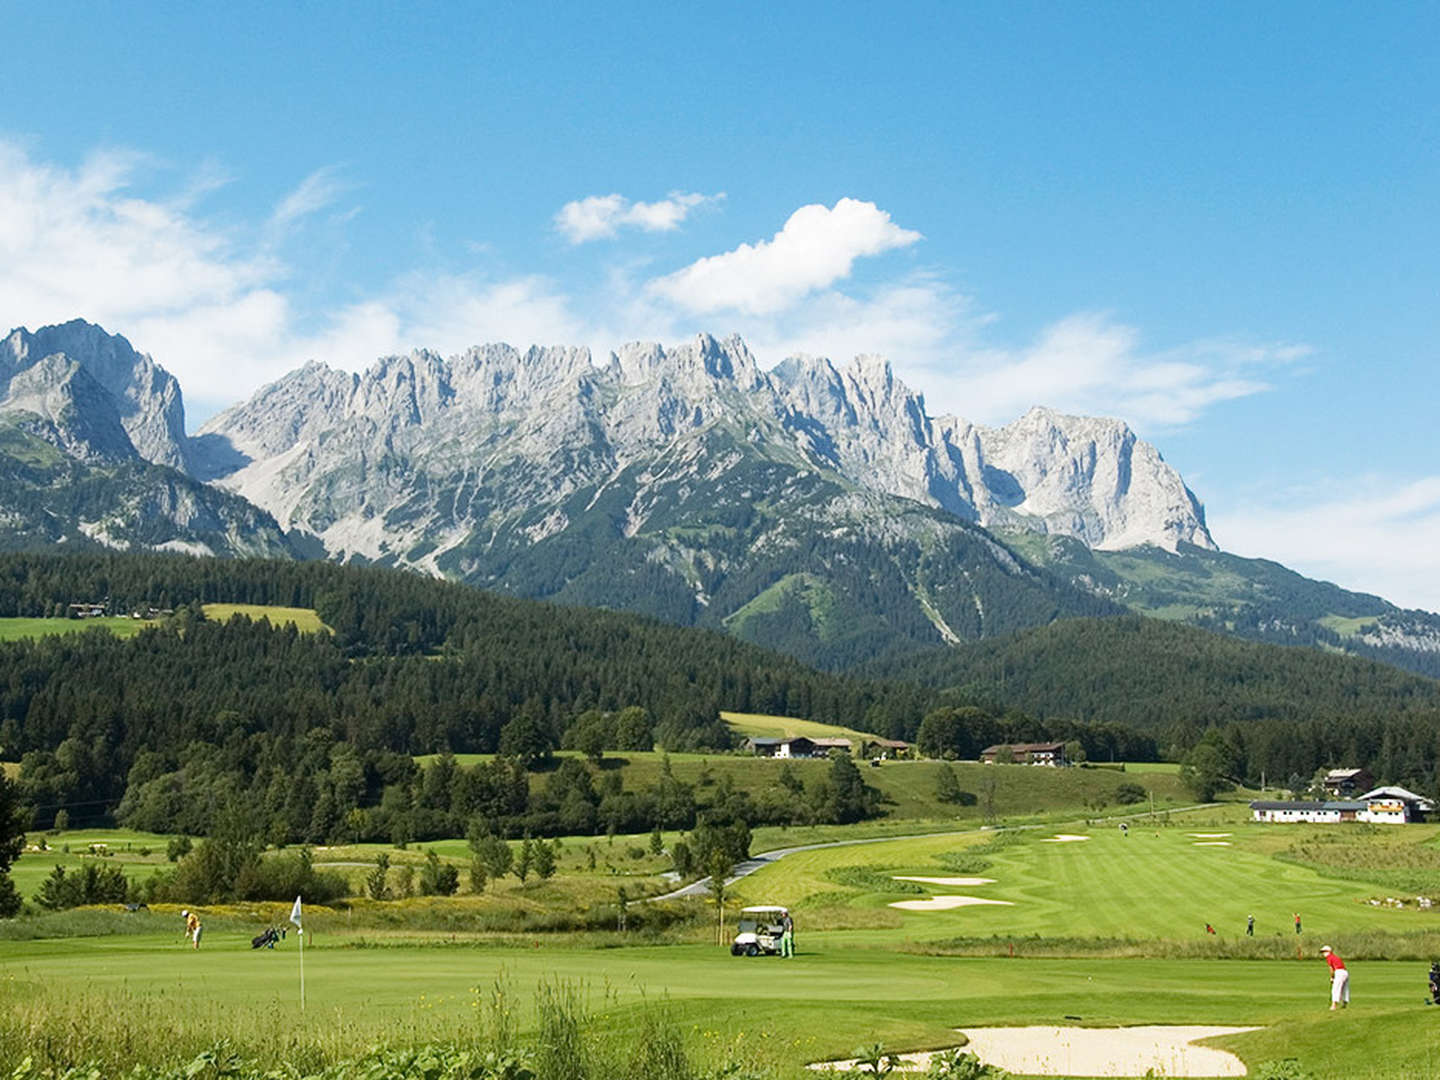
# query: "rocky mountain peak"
(144, 397)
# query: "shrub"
(1129, 793)
(178, 848)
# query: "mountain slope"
(1253, 598)
(93, 451)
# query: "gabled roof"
(840, 743)
(1345, 774)
(1332, 804)
(1395, 791)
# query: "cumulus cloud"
(817, 247)
(1368, 533)
(599, 216)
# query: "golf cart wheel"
(736, 950)
(752, 949)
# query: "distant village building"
(1040, 753)
(1347, 783)
(1381, 806)
(86, 610)
(798, 746)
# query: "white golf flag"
(295, 912)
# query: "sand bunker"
(1211, 843)
(1062, 838)
(960, 882)
(1055, 1051)
(1209, 835)
(944, 903)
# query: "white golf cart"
(759, 931)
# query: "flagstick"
(302, 969)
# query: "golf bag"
(267, 939)
(1435, 983)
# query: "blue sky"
(1217, 222)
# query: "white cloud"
(1365, 533)
(317, 191)
(599, 216)
(222, 310)
(817, 247)
(1093, 365)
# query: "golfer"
(1250, 926)
(1339, 979)
(193, 928)
(787, 935)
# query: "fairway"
(820, 1005)
(1152, 882)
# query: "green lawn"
(822, 1004)
(1156, 882)
(112, 847)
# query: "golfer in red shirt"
(1339, 979)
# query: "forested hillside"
(1285, 711)
(190, 716)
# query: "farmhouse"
(895, 748)
(1347, 783)
(1040, 753)
(1382, 806)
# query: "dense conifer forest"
(1284, 711)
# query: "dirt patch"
(1062, 838)
(945, 903)
(1057, 1051)
(953, 882)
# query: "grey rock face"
(144, 398)
(394, 459)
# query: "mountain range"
(815, 508)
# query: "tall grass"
(95, 1033)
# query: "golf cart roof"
(763, 909)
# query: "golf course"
(900, 943)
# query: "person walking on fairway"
(787, 935)
(192, 927)
(1250, 926)
(1297, 922)
(1339, 979)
